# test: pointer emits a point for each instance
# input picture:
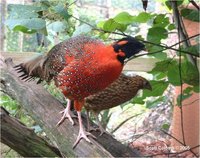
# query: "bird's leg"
(82, 133)
(66, 114)
(88, 120)
(89, 127)
(100, 128)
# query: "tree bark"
(44, 109)
(17, 136)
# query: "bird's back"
(47, 66)
(120, 91)
(82, 66)
(63, 53)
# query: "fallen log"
(44, 109)
(16, 135)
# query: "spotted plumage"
(120, 91)
(81, 66)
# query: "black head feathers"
(129, 45)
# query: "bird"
(120, 91)
(80, 66)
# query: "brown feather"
(119, 92)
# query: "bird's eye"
(145, 83)
(122, 42)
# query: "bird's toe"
(83, 135)
(66, 114)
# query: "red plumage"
(81, 66)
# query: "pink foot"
(66, 114)
(82, 133)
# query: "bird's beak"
(145, 49)
(149, 87)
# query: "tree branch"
(179, 142)
(167, 48)
(194, 4)
(123, 34)
(17, 136)
(44, 109)
(181, 28)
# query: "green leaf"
(158, 75)
(27, 25)
(142, 17)
(123, 18)
(187, 90)
(100, 24)
(18, 11)
(163, 66)
(184, 96)
(24, 18)
(165, 126)
(193, 49)
(190, 14)
(161, 21)
(62, 10)
(155, 34)
(151, 104)
(171, 27)
(158, 88)
(111, 25)
(159, 53)
(167, 2)
(126, 18)
(138, 100)
(173, 75)
(57, 26)
(189, 74)
(196, 88)
(82, 29)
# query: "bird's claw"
(90, 129)
(102, 130)
(66, 114)
(83, 135)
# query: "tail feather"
(34, 68)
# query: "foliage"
(14, 109)
(25, 18)
(58, 18)
(190, 14)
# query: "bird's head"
(146, 85)
(127, 47)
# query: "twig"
(123, 34)
(194, 4)
(7, 152)
(139, 136)
(176, 153)
(72, 3)
(181, 28)
(124, 122)
(191, 102)
(179, 142)
(181, 82)
(167, 48)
